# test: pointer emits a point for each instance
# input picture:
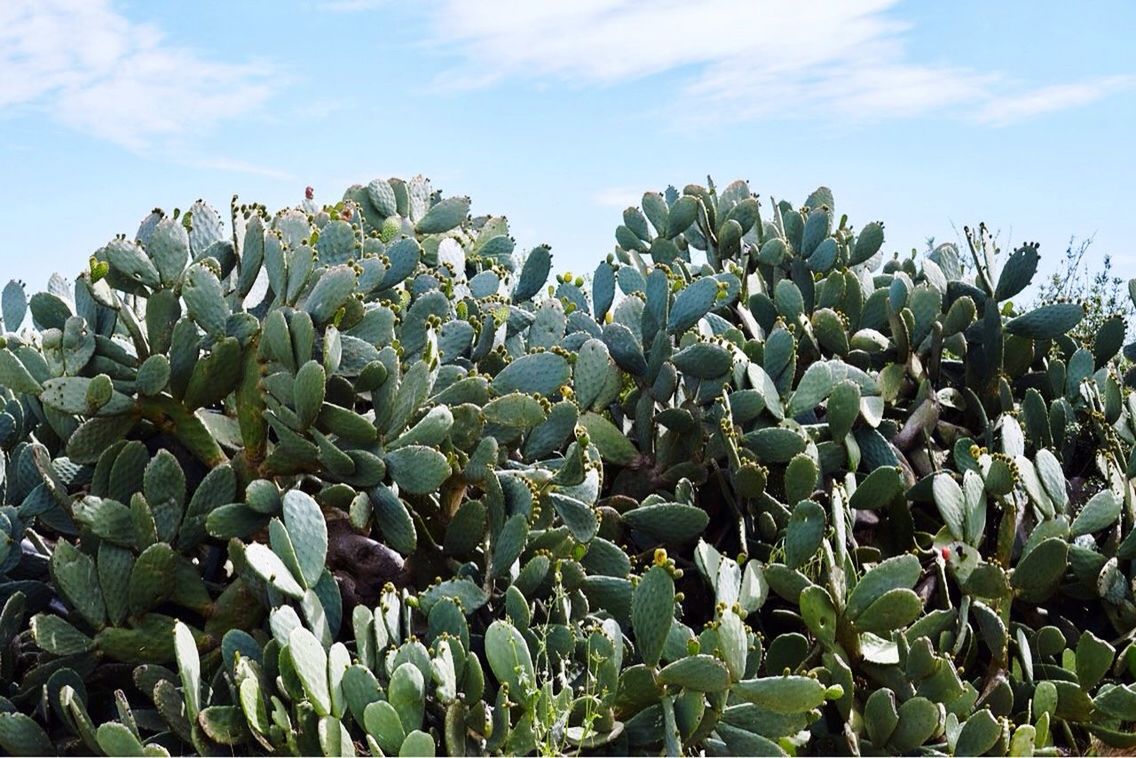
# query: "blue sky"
(927, 116)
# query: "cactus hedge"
(359, 478)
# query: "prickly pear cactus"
(360, 478)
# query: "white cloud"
(1005, 110)
(97, 72)
(237, 166)
(616, 40)
(741, 58)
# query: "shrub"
(351, 479)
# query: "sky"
(927, 116)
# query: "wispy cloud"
(744, 58)
(1005, 110)
(237, 166)
(97, 72)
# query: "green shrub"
(352, 479)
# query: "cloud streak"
(743, 58)
(95, 71)
(1007, 110)
(237, 166)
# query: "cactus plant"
(350, 478)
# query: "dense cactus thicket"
(357, 478)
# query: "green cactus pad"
(15, 375)
(652, 611)
(308, 532)
(781, 694)
(612, 444)
(577, 516)
(918, 721)
(268, 566)
(775, 444)
(1101, 511)
(509, 657)
(115, 738)
(407, 693)
(394, 520)
(691, 304)
(878, 489)
(508, 544)
(900, 572)
(331, 291)
(534, 273)
(540, 373)
(81, 396)
(701, 673)
(150, 583)
(703, 360)
(417, 469)
(1046, 322)
(310, 661)
(308, 392)
(224, 724)
(514, 410)
(443, 216)
(1094, 657)
(674, 523)
(57, 637)
(624, 348)
(895, 609)
(804, 533)
(77, 579)
(204, 300)
(382, 723)
(13, 305)
(1037, 574)
(951, 503)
